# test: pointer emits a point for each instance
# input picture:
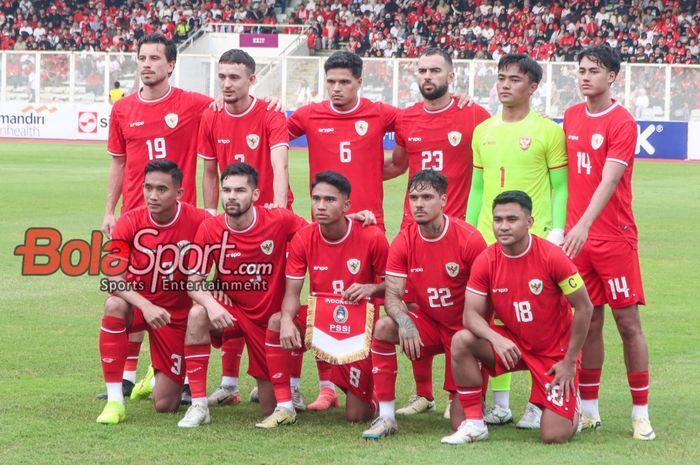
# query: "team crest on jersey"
(596, 141)
(525, 143)
(353, 265)
(253, 140)
(536, 286)
(455, 138)
(452, 269)
(267, 247)
(171, 120)
(340, 314)
(361, 127)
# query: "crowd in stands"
(643, 31)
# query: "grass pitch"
(50, 369)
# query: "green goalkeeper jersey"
(518, 156)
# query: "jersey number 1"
(156, 148)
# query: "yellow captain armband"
(571, 284)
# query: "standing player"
(345, 134)
(530, 285)
(249, 245)
(601, 231)
(246, 131)
(342, 257)
(155, 123)
(435, 134)
(434, 257)
(147, 301)
(518, 150)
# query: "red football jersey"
(359, 257)
(349, 142)
(591, 140)
(525, 294)
(441, 140)
(437, 269)
(145, 238)
(162, 129)
(247, 137)
(257, 253)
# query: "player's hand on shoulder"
(272, 206)
(219, 317)
(564, 372)
(274, 104)
(366, 216)
(464, 100)
(356, 292)
(556, 236)
(506, 350)
(290, 338)
(155, 316)
(108, 223)
(574, 240)
(217, 104)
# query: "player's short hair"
(167, 167)
(241, 169)
(117, 84)
(525, 64)
(237, 56)
(430, 51)
(602, 55)
(333, 178)
(431, 178)
(345, 60)
(519, 197)
(170, 48)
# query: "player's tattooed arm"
(574, 240)
(409, 339)
(565, 370)
(396, 165)
(476, 319)
(290, 337)
(114, 191)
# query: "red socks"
(589, 383)
(197, 363)
(279, 362)
(423, 374)
(384, 371)
(639, 387)
(113, 348)
(231, 351)
(470, 398)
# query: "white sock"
(129, 376)
(229, 381)
(153, 382)
(501, 398)
(479, 423)
(590, 408)
(294, 383)
(288, 405)
(387, 409)
(200, 401)
(114, 392)
(187, 380)
(326, 383)
(640, 411)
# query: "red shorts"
(611, 272)
(538, 367)
(254, 335)
(167, 343)
(437, 339)
(355, 378)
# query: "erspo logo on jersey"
(44, 253)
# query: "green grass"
(50, 370)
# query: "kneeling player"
(530, 285)
(343, 258)
(434, 256)
(148, 301)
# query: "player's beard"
(436, 93)
(240, 210)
